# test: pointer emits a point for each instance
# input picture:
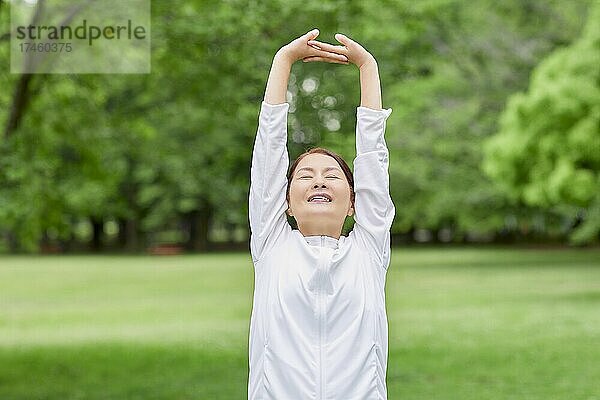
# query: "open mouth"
(320, 198)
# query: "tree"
(547, 151)
(171, 150)
(447, 69)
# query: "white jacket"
(318, 328)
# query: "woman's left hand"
(354, 52)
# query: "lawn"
(464, 324)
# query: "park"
(128, 205)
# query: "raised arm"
(268, 181)
(374, 209)
(277, 84)
(370, 88)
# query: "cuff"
(360, 110)
(274, 107)
(370, 129)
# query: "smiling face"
(319, 196)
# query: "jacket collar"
(322, 241)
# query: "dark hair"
(337, 157)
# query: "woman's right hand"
(299, 49)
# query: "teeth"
(320, 198)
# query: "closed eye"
(310, 177)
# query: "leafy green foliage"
(547, 151)
(155, 150)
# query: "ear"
(289, 212)
(351, 211)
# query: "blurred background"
(494, 136)
(494, 146)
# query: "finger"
(328, 47)
(323, 59)
(312, 34)
(312, 58)
(343, 39)
(327, 54)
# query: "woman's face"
(319, 174)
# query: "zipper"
(325, 254)
(320, 284)
(322, 333)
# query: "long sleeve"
(268, 180)
(374, 209)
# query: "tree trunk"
(230, 233)
(19, 104)
(130, 237)
(199, 222)
(13, 243)
(122, 237)
(23, 92)
(97, 233)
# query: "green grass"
(464, 324)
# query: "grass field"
(464, 324)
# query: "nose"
(316, 185)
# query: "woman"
(318, 328)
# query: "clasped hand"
(307, 49)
